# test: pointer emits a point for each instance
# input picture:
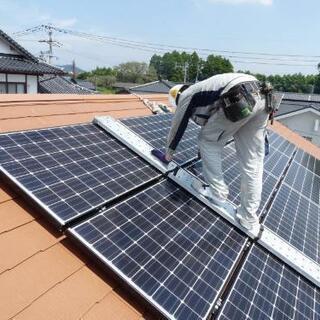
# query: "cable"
(282, 59)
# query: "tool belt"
(238, 102)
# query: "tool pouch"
(237, 103)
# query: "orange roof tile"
(296, 139)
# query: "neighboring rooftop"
(23, 66)
(84, 83)
(160, 86)
(59, 84)
(16, 59)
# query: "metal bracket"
(269, 240)
(132, 141)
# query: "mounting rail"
(268, 239)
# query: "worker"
(226, 105)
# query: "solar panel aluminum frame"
(132, 141)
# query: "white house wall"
(5, 48)
(32, 84)
(2, 77)
(304, 125)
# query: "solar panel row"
(71, 170)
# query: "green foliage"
(105, 90)
(291, 82)
(180, 67)
(136, 72)
(215, 65)
(177, 67)
(103, 81)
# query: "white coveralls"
(248, 133)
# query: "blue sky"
(268, 26)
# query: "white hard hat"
(173, 92)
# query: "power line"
(157, 45)
(259, 58)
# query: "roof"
(301, 96)
(25, 62)
(160, 86)
(58, 84)
(123, 85)
(85, 84)
(293, 106)
(13, 64)
(43, 276)
(17, 46)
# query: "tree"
(215, 65)
(136, 72)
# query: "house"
(155, 87)
(301, 113)
(22, 72)
(45, 275)
(19, 69)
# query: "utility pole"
(51, 43)
(74, 75)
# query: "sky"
(289, 27)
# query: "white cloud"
(261, 2)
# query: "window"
(12, 87)
(3, 88)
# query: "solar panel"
(295, 213)
(275, 164)
(267, 289)
(71, 170)
(155, 129)
(308, 161)
(167, 246)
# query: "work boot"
(246, 223)
(206, 192)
